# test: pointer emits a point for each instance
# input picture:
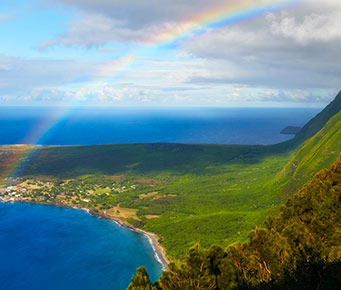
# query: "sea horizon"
(102, 126)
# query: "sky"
(221, 53)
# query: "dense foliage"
(300, 248)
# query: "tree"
(142, 280)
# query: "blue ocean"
(88, 126)
(47, 247)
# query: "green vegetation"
(316, 153)
(214, 194)
(210, 208)
(300, 248)
(318, 122)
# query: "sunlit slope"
(315, 154)
(318, 122)
(299, 248)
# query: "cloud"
(287, 56)
(103, 21)
(136, 14)
(101, 82)
(294, 49)
(94, 30)
(312, 28)
(19, 74)
(279, 96)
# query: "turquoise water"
(47, 247)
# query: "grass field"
(183, 192)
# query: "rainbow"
(174, 34)
(219, 16)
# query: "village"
(11, 194)
(112, 197)
(72, 191)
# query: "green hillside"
(318, 122)
(300, 248)
(140, 159)
(164, 158)
(315, 154)
(182, 192)
(210, 193)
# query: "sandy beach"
(153, 239)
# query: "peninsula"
(290, 130)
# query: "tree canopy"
(300, 248)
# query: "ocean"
(48, 247)
(88, 126)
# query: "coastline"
(159, 251)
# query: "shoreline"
(159, 251)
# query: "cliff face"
(317, 123)
(316, 153)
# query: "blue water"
(46, 247)
(88, 126)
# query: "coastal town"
(89, 191)
(130, 200)
(111, 197)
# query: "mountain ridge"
(316, 153)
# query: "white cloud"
(94, 30)
(19, 74)
(313, 27)
(290, 55)
(268, 51)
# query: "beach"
(53, 247)
(159, 251)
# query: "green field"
(184, 192)
(212, 194)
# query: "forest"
(300, 248)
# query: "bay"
(47, 247)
